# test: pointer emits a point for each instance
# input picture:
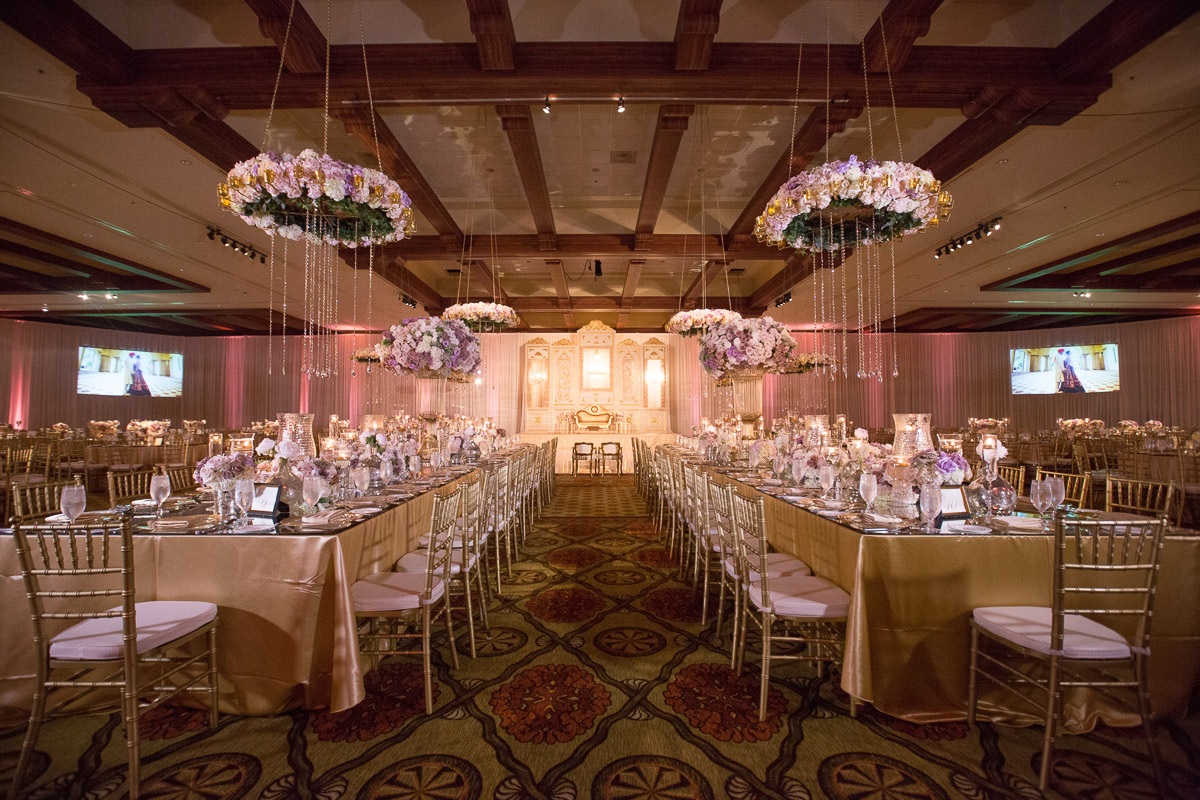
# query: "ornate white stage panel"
(562, 459)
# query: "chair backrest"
(183, 479)
(36, 501)
(1014, 475)
(18, 459)
(611, 448)
(500, 499)
(1106, 569)
(751, 539)
(582, 449)
(694, 498)
(174, 453)
(471, 511)
(1189, 471)
(446, 506)
(80, 564)
(126, 486)
(720, 506)
(1148, 498)
(1078, 487)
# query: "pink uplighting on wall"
(234, 378)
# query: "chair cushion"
(419, 562)
(803, 596)
(159, 622)
(1029, 627)
(778, 565)
(392, 591)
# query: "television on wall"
(130, 373)
(1065, 369)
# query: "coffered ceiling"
(1073, 121)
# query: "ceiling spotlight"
(546, 106)
(108, 296)
(212, 233)
(783, 299)
(599, 269)
(938, 254)
(83, 296)
(1081, 294)
(262, 259)
(621, 105)
(226, 242)
(970, 240)
(996, 224)
(45, 309)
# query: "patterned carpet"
(596, 680)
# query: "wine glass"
(800, 469)
(827, 477)
(1042, 496)
(72, 501)
(160, 490)
(312, 490)
(868, 487)
(243, 498)
(362, 479)
(1058, 488)
(931, 505)
(386, 471)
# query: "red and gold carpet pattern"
(596, 680)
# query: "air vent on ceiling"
(737, 270)
(453, 270)
(622, 157)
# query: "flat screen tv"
(1065, 369)
(130, 373)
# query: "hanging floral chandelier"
(483, 316)
(843, 204)
(698, 320)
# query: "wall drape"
(229, 381)
(955, 376)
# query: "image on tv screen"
(1065, 369)
(135, 373)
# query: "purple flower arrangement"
(430, 347)
(220, 471)
(940, 468)
(743, 345)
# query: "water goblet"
(931, 505)
(72, 501)
(312, 491)
(243, 498)
(799, 469)
(827, 476)
(386, 471)
(1058, 489)
(160, 490)
(868, 488)
(1042, 496)
(362, 479)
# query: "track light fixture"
(1081, 294)
(408, 301)
(958, 242)
(546, 105)
(249, 251)
(621, 105)
(783, 299)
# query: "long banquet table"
(907, 634)
(286, 630)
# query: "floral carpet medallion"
(595, 681)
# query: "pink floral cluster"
(222, 470)
(1076, 427)
(430, 346)
(699, 320)
(760, 343)
(481, 314)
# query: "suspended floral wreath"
(430, 347)
(843, 204)
(317, 197)
(483, 316)
(799, 363)
(699, 320)
(746, 348)
(365, 355)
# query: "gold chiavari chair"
(70, 458)
(1078, 487)
(36, 501)
(812, 610)
(1189, 483)
(1105, 570)
(119, 458)
(126, 486)
(705, 540)
(183, 479)
(1145, 498)
(1014, 475)
(385, 601)
(132, 648)
(174, 454)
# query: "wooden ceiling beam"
(823, 123)
(487, 284)
(612, 304)
(1109, 248)
(305, 51)
(708, 272)
(578, 245)
(1107, 274)
(558, 277)
(695, 28)
(393, 270)
(517, 122)
(1117, 33)
(668, 133)
(739, 73)
(74, 37)
(398, 165)
(891, 39)
(632, 277)
(492, 26)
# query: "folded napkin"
(254, 526)
(367, 509)
(87, 516)
(144, 502)
(884, 519)
(831, 504)
(828, 512)
(169, 524)
(1020, 523)
(960, 528)
(328, 517)
(772, 482)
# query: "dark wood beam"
(993, 117)
(632, 276)
(491, 23)
(695, 28)
(393, 270)
(559, 278)
(614, 304)
(399, 166)
(823, 123)
(517, 122)
(739, 73)
(1099, 251)
(74, 37)
(672, 122)
(197, 322)
(622, 319)
(487, 284)
(795, 269)
(305, 51)
(891, 39)
(1117, 33)
(578, 245)
(1006, 318)
(708, 271)
(1106, 274)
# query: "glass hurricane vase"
(989, 496)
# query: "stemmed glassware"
(868, 488)
(72, 501)
(1058, 489)
(362, 479)
(243, 498)
(386, 472)
(1041, 494)
(160, 490)
(931, 505)
(827, 476)
(799, 469)
(312, 491)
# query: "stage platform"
(567, 440)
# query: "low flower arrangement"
(194, 425)
(60, 427)
(1127, 425)
(222, 470)
(306, 467)
(430, 347)
(799, 363)
(940, 468)
(483, 316)
(366, 355)
(986, 425)
(699, 320)
(99, 428)
(1153, 425)
(846, 203)
(747, 347)
(282, 194)
(1079, 427)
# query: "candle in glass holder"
(989, 450)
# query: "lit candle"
(989, 450)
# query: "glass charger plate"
(197, 523)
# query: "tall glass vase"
(912, 436)
(429, 399)
(298, 428)
(747, 399)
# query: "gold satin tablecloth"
(286, 635)
(908, 639)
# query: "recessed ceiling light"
(185, 162)
(1002, 161)
(1100, 234)
(45, 309)
(83, 296)
(1120, 183)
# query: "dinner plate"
(87, 516)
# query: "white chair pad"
(392, 591)
(159, 622)
(419, 562)
(1029, 627)
(803, 596)
(778, 566)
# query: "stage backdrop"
(955, 376)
